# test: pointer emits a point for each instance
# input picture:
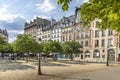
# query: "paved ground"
(62, 70)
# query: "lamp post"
(39, 61)
(107, 63)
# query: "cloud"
(84, 1)
(16, 26)
(46, 6)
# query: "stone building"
(97, 45)
(4, 34)
(32, 27)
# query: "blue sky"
(14, 13)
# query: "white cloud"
(84, 1)
(5, 16)
(16, 31)
(46, 6)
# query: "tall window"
(97, 24)
(69, 37)
(86, 43)
(86, 34)
(63, 38)
(103, 33)
(110, 32)
(103, 43)
(58, 35)
(82, 35)
(82, 43)
(77, 36)
(96, 43)
(110, 42)
(96, 33)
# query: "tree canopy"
(106, 10)
(52, 47)
(71, 48)
(25, 43)
(2, 44)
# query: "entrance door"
(81, 56)
(119, 57)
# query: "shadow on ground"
(61, 77)
(15, 66)
(50, 64)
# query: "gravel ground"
(62, 70)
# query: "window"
(97, 24)
(69, 37)
(54, 36)
(63, 38)
(110, 32)
(77, 36)
(58, 35)
(66, 37)
(96, 54)
(58, 40)
(82, 43)
(96, 33)
(82, 35)
(96, 43)
(86, 43)
(103, 33)
(86, 34)
(103, 43)
(110, 42)
(78, 28)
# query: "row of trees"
(27, 44)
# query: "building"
(32, 27)
(102, 44)
(98, 45)
(4, 34)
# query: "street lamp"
(39, 62)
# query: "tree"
(52, 47)
(55, 48)
(7, 48)
(26, 44)
(106, 10)
(38, 49)
(2, 44)
(71, 48)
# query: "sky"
(14, 13)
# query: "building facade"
(4, 34)
(98, 45)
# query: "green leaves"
(64, 4)
(52, 47)
(71, 47)
(26, 44)
(106, 10)
(2, 44)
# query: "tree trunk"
(71, 57)
(54, 57)
(39, 64)
(27, 58)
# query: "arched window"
(96, 54)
